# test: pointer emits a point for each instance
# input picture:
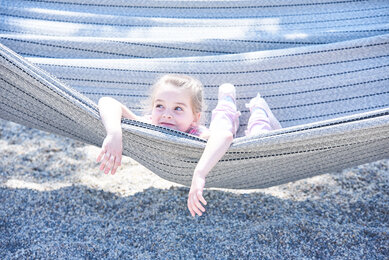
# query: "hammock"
(322, 66)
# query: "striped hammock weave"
(322, 65)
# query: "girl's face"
(172, 108)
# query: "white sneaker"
(227, 90)
(258, 102)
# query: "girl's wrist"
(114, 131)
(199, 173)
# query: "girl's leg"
(262, 119)
(225, 116)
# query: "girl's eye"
(179, 109)
(158, 106)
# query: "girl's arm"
(111, 112)
(224, 123)
(218, 143)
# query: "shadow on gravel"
(79, 222)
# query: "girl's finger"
(199, 206)
(115, 165)
(197, 202)
(102, 165)
(194, 207)
(100, 156)
(118, 160)
(114, 168)
(104, 161)
(110, 164)
(190, 209)
(201, 198)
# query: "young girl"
(177, 102)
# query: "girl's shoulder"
(200, 131)
(145, 118)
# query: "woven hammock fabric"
(321, 65)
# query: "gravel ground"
(54, 203)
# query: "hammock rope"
(321, 65)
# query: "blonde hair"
(184, 82)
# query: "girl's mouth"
(168, 125)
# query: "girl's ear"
(196, 118)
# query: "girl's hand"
(111, 153)
(196, 196)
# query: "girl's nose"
(167, 114)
